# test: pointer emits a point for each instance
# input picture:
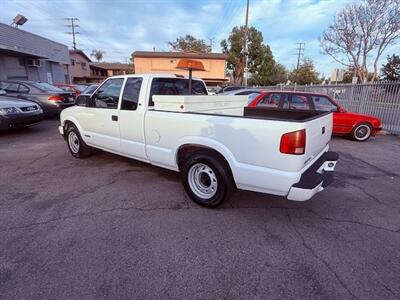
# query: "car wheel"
(207, 179)
(76, 145)
(361, 132)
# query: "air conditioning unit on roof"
(30, 62)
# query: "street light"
(19, 20)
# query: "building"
(28, 56)
(83, 70)
(113, 69)
(80, 66)
(165, 62)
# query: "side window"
(323, 103)
(175, 86)
(23, 89)
(299, 102)
(130, 97)
(107, 95)
(10, 87)
(272, 100)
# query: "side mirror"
(3, 92)
(83, 100)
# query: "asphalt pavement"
(108, 227)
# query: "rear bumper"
(315, 179)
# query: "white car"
(216, 149)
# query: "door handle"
(114, 118)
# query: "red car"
(75, 89)
(359, 127)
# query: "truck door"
(131, 119)
(100, 120)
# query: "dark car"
(15, 113)
(75, 89)
(50, 98)
(231, 88)
(81, 99)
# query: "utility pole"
(211, 43)
(300, 52)
(73, 32)
(245, 50)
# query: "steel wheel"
(202, 181)
(73, 142)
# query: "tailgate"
(318, 135)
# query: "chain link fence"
(381, 99)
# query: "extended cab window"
(323, 103)
(272, 100)
(107, 95)
(175, 86)
(130, 97)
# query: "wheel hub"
(202, 181)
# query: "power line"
(73, 32)
(300, 52)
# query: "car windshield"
(252, 96)
(81, 87)
(44, 86)
(90, 89)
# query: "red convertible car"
(359, 127)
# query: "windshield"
(90, 89)
(44, 86)
(81, 87)
(251, 97)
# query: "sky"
(120, 27)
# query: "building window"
(21, 62)
(117, 72)
(83, 65)
(72, 62)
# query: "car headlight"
(9, 110)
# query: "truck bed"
(282, 114)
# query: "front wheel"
(206, 178)
(361, 132)
(76, 145)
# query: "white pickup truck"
(271, 151)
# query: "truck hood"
(8, 102)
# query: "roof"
(180, 55)
(19, 42)
(112, 66)
(77, 51)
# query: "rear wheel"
(76, 145)
(206, 179)
(361, 132)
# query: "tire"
(361, 132)
(207, 179)
(76, 145)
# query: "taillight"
(293, 142)
(55, 98)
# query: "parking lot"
(111, 227)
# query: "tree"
(97, 54)
(361, 32)
(391, 70)
(261, 64)
(305, 74)
(189, 43)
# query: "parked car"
(229, 88)
(75, 89)
(15, 113)
(51, 99)
(251, 93)
(81, 99)
(278, 152)
(358, 126)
